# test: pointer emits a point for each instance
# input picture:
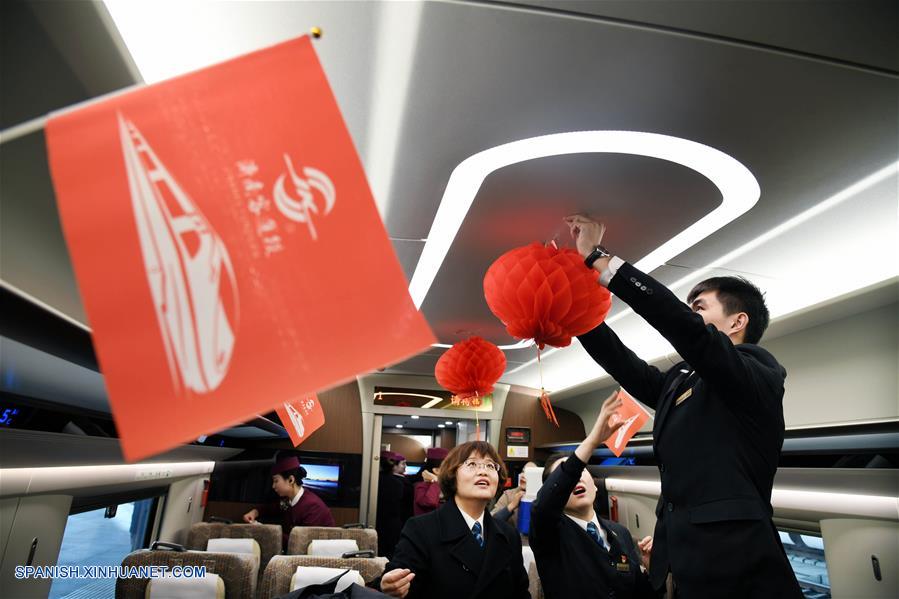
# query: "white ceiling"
(803, 94)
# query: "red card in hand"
(634, 416)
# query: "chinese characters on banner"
(634, 416)
(301, 417)
(226, 245)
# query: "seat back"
(211, 586)
(534, 587)
(279, 573)
(239, 572)
(267, 535)
(530, 566)
(301, 536)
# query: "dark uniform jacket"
(717, 438)
(310, 510)
(392, 511)
(449, 564)
(570, 562)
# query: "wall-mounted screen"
(412, 470)
(323, 479)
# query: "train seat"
(268, 536)
(301, 536)
(332, 547)
(210, 586)
(238, 571)
(279, 574)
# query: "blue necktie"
(476, 531)
(594, 534)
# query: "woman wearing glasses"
(460, 550)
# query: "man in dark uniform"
(579, 554)
(718, 428)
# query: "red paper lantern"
(545, 294)
(470, 368)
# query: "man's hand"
(250, 517)
(586, 232)
(428, 476)
(396, 583)
(645, 551)
(607, 422)
(603, 428)
(516, 499)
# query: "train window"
(93, 539)
(806, 554)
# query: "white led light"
(449, 422)
(414, 417)
(441, 426)
(399, 426)
(739, 189)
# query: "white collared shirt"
(602, 532)
(611, 270)
(470, 521)
(296, 498)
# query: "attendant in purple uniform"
(298, 507)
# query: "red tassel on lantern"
(545, 294)
(469, 369)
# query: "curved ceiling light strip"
(739, 191)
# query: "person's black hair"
(297, 473)
(551, 460)
(387, 464)
(737, 294)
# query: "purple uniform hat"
(438, 453)
(392, 455)
(285, 464)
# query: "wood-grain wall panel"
(411, 449)
(342, 431)
(523, 409)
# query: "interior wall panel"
(523, 410)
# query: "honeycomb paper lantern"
(545, 294)
(470, 368)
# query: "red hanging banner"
(228, 251)
(301, 417)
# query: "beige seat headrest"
(309, 575)
(248, 546)
(332, 547)
(210, 586)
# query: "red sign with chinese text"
(226, 245)
(634, 416)
(301, 417)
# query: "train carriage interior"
(632, 111)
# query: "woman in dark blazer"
(460, 551)
(393, 498)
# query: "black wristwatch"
(597, 253)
